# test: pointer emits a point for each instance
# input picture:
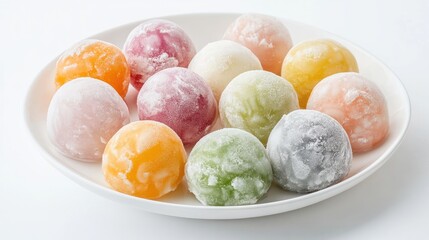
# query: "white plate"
(204, 28)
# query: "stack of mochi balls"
(292, 114)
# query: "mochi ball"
(228, 167)
(357, 104)
(155, 45)
(219, 62)
(180, 99)
(309, 151)
(144, 159)
(267, 37)
(82, 116)
(255, 101)
(308, 62)
(96, 59)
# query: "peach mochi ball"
(357, 104)
(155, 45)
(265, 36)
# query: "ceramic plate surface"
(205, 28)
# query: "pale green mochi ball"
(228, 167)
(255, 101)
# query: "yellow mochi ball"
(309, 62)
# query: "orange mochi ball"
(265, 36)
(357, 104)
(96, 59)
(309, 62)
(144, 159)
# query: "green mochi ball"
(228, 167)
(255, 101)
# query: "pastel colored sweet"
(309, 62)
(182, 100)
(255, 101)
(309, 151)
(95, 59)
(219, 62)
(144, 159)
(357, 104)
(155, 45)
(265, 36)
(228, 167)
(83, 115)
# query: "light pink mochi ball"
(82, 117)
(265, 36)
(182, 100)
(155, 45)
(357, 104)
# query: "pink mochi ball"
(357, 104)
(82, 117)
(180, 99)
(155, 45)
(267, 37)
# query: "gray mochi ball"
(309, 151)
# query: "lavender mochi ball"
(82, 117)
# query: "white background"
(38, 202)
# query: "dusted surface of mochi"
(357, 104)
(309, 151)
(228, 167)
(96, 59)
(155, 45)
(219, 62)
(83, 115)
(309, 62)
(144, 159)
(265, 36)
(182, 100)
(255, 101)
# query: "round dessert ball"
(155, 45)
(309, 151)
(228, 167)
(309, 62)
(182, 100)
(265, 36)
(144, 159)
(357, 104)
(95, 59)
(255, 101)
(219, 62)
(83, 115)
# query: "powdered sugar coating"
(83, 115)
(265, 36)
(182, 100)
(219, 62)
(309, 151)
(155, 45)
(357, 104)
(228, 167)
(255, 101)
